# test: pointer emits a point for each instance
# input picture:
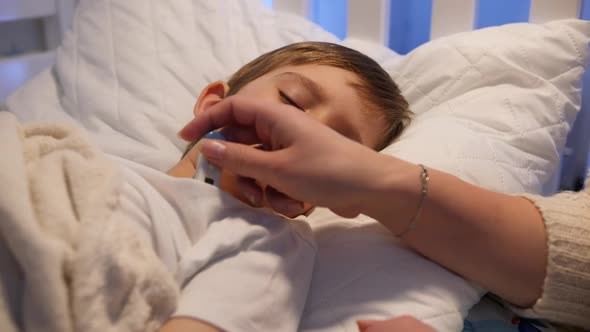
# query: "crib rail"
(451, 16)
(369, 19)
(549, 10)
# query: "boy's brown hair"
(376, 88)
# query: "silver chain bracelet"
(424, 178)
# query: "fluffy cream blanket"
(67, 261)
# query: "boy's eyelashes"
(285, 98)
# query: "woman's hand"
(278, 202)
(459, 226)
(303, 158)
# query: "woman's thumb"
(237, 158)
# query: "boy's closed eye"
(288, 100)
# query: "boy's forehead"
(316, 71)
(323, 81)
(343, 107)
(315, 89)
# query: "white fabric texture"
(130, 71)
(239, 268)
(68, 261)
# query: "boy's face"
(326, 94)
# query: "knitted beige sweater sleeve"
(566, 291)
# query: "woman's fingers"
(301, 157)
(284, 204)
(241, 159)
(279, 202)
(241, 134)
(248, 188)
(217, 116)
(237, 111)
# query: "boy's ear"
(211, 95)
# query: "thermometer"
(206, 171)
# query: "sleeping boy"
(245, 269)
(340, 87)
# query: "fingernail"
(251, 199)
(213, 150)
(251, 196)
(181, 133)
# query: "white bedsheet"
(363, 272)
(240, 268)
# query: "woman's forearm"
(495, 240)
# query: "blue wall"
(498, 12)
(586, 9)
(331, 15)
(409, 24)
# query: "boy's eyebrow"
(312, 87)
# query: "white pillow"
(494, 107)
(131, 70)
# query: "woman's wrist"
(394, 189)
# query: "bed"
(496, 112)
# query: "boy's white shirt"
(241, 269)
